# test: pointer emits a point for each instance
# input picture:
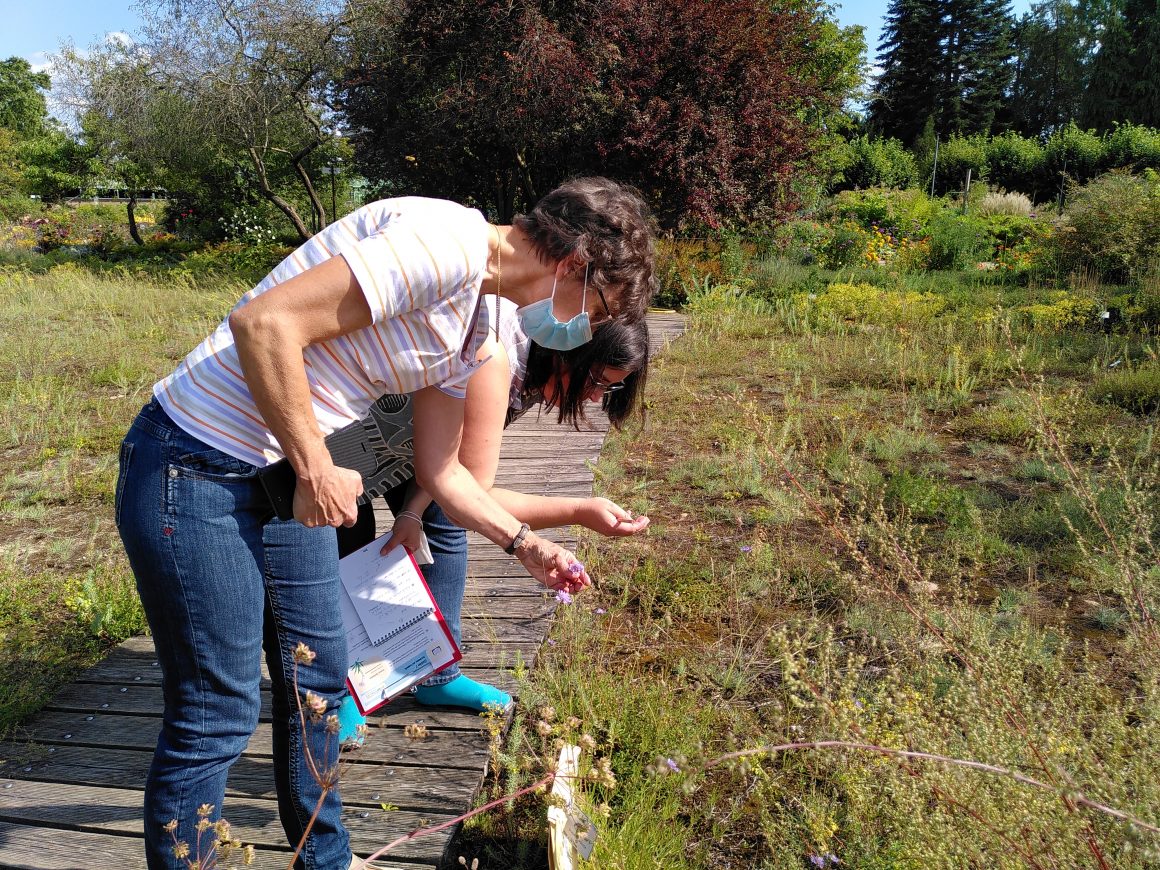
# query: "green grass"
(81, 351)
(946, 497)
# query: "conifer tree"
(943, 58)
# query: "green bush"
(958, 241)
(1129, 146)
(1071, 152)
(957, 155)
(1112, 227)
(877, 163)
(1136, 390)
(1015, 163)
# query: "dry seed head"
(315, 704)
(415, 731)
(170, 826)
(543, 728)
(248, 855)
(304, 655)
(204, 811)
(181, 850)
(332, 725)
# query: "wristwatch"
(511, 548)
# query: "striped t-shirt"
(419, 262)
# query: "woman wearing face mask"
(386, 300)
(519, 375)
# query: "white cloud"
(119, 37)
(41, 61)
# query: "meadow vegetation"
(892, 506)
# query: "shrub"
(1112, 227)
(1136, 390)
(1071, 152)
(868, 304)
(1065, 310)
(1015, 163)
(957, 241)
(877, 163)
(1129, 146)
(957, 155)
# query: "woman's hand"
(330, 499)
(608, 518)
(407, 531)
(552, 565)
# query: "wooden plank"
(254, 821)
(363, 784)
(142, 699)
(28, 847)
(439, 749)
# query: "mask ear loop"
(584, 298)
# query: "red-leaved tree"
(708, 106)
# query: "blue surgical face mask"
(541, 326)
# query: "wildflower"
(588, 743)
(222, 829)
(601, 611)
(832, 858)
(543, 728)
(170, 826)
(572, 722)
(746, 549)
(548, 714)
(817, 860)
(204, 811)
(551, 642)
(672, 765)
(576, 569)
(315, 704)
(304, 655)
(563, 597)
(332, 724)
(181, 850)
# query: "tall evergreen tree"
(1052, 46)
(943, 58)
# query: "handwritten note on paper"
(388, 592)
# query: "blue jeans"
(446, 577)
(221, 580)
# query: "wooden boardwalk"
(71, 780)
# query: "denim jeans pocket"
(122, 475)
(212, 465)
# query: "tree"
(1125, 80)
(23, 108)
(254, 77)
(132, 126)
(709, 107)
(946, 59)
(1053, 49)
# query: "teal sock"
(463, 692)
(349, 722)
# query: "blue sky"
(33, 29)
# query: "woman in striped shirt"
(385, 300)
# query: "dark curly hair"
(607, 225)
(614, 345)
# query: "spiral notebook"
(395, 634)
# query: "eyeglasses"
(604, 302)
(604, 386)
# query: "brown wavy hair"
(607, 225)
